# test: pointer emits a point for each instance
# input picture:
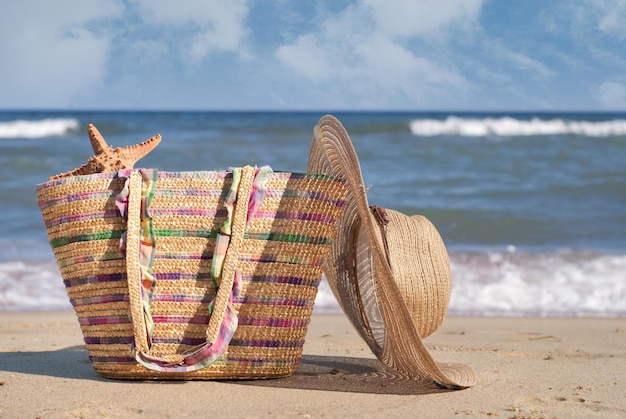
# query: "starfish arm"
(106, 159)
(92, 166)
(97, 141)
(130, 155)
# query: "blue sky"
(313, 55)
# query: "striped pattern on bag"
(281, 264)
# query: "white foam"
(547, 284)
(508, 283)
(325, 302)
(507, 127)
(50, 127)
(31, 286)
(512, 283)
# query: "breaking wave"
(510, 127)
(51, 127)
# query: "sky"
(415, 55)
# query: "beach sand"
(527, 368)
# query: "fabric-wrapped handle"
(223, 319)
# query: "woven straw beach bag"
(192, 275)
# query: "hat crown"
(421, 269)
(419, 265)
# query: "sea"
(531, 206)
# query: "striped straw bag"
(192, 275)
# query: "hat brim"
(332, 153)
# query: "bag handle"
(223, 319)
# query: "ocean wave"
(29, 285)
(520, 284)
(50, 127)
(511, 127)
(565, 283)
(507, 283)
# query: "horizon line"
(310, 111)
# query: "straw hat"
(390, 272)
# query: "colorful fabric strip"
(147, 243)
(207, 353)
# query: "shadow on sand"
(325, 373)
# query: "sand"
(527, 368)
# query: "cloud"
(612, 95)
(58, 54)
(596, 34)
(45, 61)
(609, 16)
(591, 18)
(377, 54)
(310, 59)
(402, 18)
(209, 25)
(365, 50)
(521, 62)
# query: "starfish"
(107, 159)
